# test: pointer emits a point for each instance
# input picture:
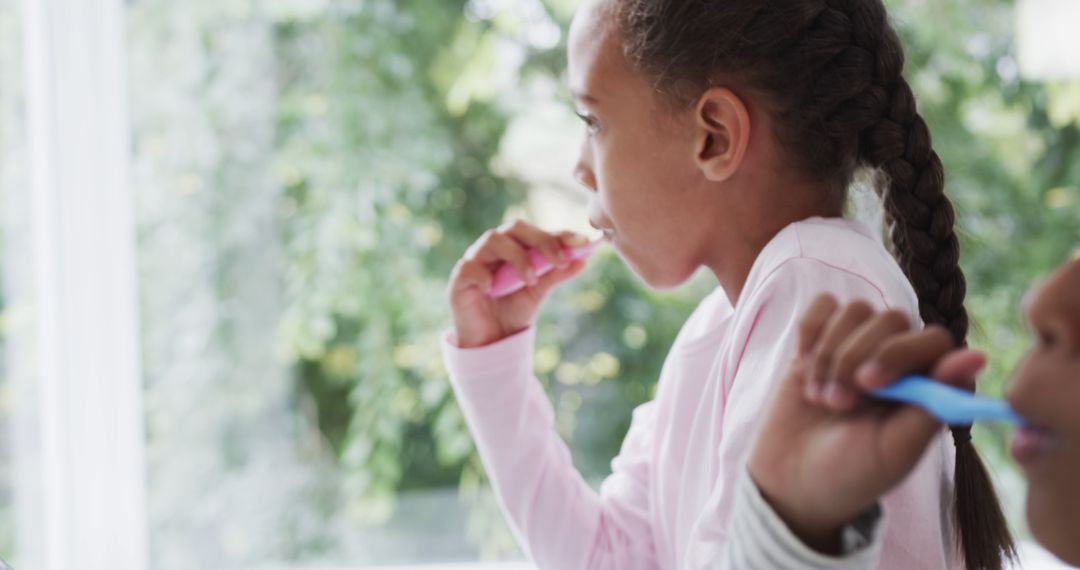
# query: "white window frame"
(79, 436)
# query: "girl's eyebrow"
(582, 96)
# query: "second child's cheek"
(1046, 389)
(1066, 402)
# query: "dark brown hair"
(829, 72)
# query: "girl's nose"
(584, 176)
(583, 172)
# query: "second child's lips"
(1030, 443)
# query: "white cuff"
(761, 540)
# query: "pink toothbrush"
(507, 280)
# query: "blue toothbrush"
(946, 403)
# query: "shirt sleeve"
(561, 522)
(759, 538)
(769, 329)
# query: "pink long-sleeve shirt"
(669, 499)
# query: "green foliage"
(1011, 150)
(383, 153)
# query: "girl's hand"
(481, 320)
(826, 453)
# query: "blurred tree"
(1012, 160)
(386, 130)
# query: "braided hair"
(830, 72)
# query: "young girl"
(807, 502)
(724, 135)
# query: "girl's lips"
(608, 232)
(1031, 443)
(600, 226)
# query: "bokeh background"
(304, 175)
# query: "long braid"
(922, 228)
(922, 219)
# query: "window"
(226, 231)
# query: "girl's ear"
(723, 125)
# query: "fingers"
(530, 236)
(840, 390)
(571, 239)
(906, 353)
(511, 244)
(558, 275)
(470, 273)
(564, 272)
(495, 248)
(909, 429)
(959, 368)
(814, 321)
(904, 437)
(840, 326)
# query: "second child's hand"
(820, 467)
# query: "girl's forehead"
(594, 53)
(593, 17)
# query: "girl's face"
(1046, 390)
(637, 159)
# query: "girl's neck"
(757, 224)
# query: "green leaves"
(382, 143)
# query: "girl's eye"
(589, 120)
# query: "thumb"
(904, 438)
(959, 368)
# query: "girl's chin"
(655, 276)
(657, 280)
